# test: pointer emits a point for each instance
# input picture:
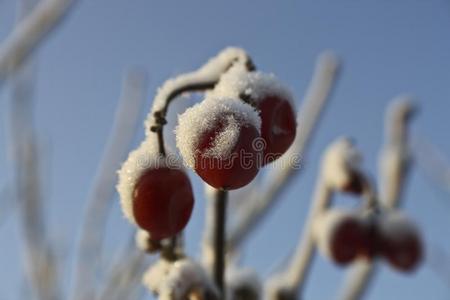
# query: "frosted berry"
(340, 235)
(162, 202)
(271, 99)
(401, 244)
(215, 138)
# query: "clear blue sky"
(387, 47)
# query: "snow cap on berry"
(175, 281)
(340, 164)
(397, 225)
(145, 157)
(203, 116)
(156, 274)
(254, 85)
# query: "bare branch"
(41, 266)
(101, 194)
(287, 166)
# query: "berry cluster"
(245, 122)
(344, 236)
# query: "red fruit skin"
(235, 170)
(278, 126)
(370, 242)
(162, 202)
(347, 240)
(403, 252)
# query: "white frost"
(258, 85)
(203, 116)
(145, 157)
(340, 161)
(396, 225)
(172, 281)
(154, 277)
(142, 239)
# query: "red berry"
(237, 168)
(341, 236)
(162, 201)
(278, 125)
(216, 137)
(271, 99)
(400, 243)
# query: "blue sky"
(387, 48)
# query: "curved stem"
(203, 79)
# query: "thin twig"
(101, 194)
(394, 165)
(220, 206)
(308, 118)
(29, 34)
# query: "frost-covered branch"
(29, 33)
(340, 169)
(395, 160)
(308, 118)
(101, 194)
(41, 266)
(202, 79)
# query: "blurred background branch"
(29, 33)
(394, 165)
(103, 188)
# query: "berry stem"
(220, 207)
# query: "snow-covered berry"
(340, 235)
(216, 139)
(400, 241)
(155, 192)
(271, 99)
